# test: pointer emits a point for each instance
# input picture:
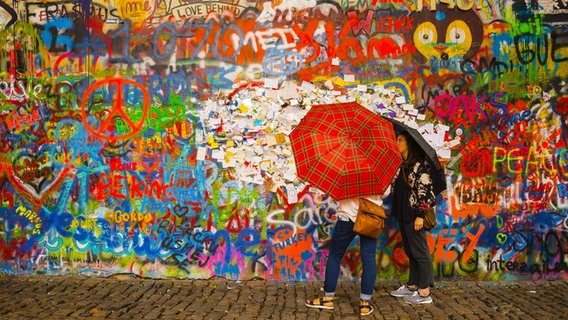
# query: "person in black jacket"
(412, 197)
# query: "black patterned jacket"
(422, 196)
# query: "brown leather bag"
(430, 219)
(370, 219)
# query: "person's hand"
(418, 223)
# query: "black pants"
(416, 248)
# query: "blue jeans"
(341, 238)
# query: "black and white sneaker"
(403, 291)
(416, 298)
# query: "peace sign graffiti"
(120, 105)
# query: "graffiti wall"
(151, 137)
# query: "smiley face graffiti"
(446, 34)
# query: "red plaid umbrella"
(345, 150)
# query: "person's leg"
(421, 252)
(406, 230)
(411, 285)
(368, 247)
(423, 258)
(341, 238)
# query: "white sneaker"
(416, 298)
(403, 291)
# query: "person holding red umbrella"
(341, 238)
(349, 152)
(413, 195)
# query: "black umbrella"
(438, 175)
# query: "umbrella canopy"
(345, 150)
(438, 175)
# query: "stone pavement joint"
(130, 297)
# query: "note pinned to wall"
(307, 86)
(280, 138)
(265, 164)
(259, 180)
(229, 155)
(230, 163)
(201, 153)
(288, 93)
(454, 143)
(444, 153)
(428, 128)
(218, 154)
(410, 108)
(291, 193)
(271, 140)
(271, 94)
(244, 109)
(271, 83)
(286, 152)
(214, 122)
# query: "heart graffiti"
(35, 177)
(33, 170)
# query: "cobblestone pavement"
(129, 297)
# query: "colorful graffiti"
(151, 137)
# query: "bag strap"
(406, 180)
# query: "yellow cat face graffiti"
(445, 34)
(458, 40)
